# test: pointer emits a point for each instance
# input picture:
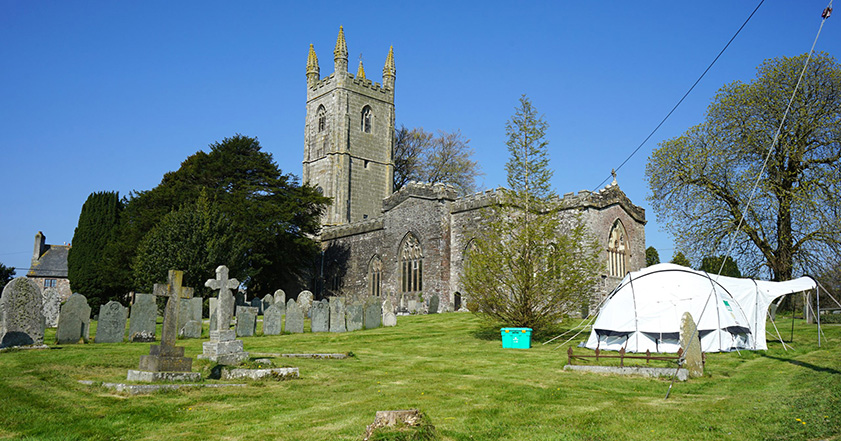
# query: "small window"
(375, 276)
(617, 250)
(49, 283)
(367, 119)
(322, 119)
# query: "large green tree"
(268, 210)
(725, 264)
(87, 262)
(701, 181)
(446, 158)
(528, 268)
(652, 257)
(680, 259)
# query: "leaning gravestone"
(268, 300)
(111, 326)
(354, 317)
(294, 317)
(74, 320)
(337, 314)
(305, 302)
(246, 320)
(693, 360)
(51, 306)
(21, 319)
(373, 314)
(223, 347)
(272, 320)
(144, 315)
(389, 318)
(433, 304)
(320, 316)
(280, 300)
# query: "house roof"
(53, 263)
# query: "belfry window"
(367, 119)
(411, 265)
(617, 250)
(375, 276)
(321, 115)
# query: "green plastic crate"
(516, 338)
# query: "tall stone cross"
(225, 307)
(174, 292)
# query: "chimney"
(40, 247)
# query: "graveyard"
(451, 366)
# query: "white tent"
(644, 311)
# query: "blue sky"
(104, 95)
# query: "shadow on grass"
(804, 364)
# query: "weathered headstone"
(268, 300)
(693, 360)
(294, 318)
(280, 300)
(412, 307)
(111, 327)
(354, 317)
(224, 285)
(190, 318)
(389, 317)
(337, 314)
(223, 347)
(272, 321)
(167, 361)
(74, 320)
(433, 304)
(51, 306)
(246, 320)
(373, 314)
(320, 316)
(257, 303)
(144, 316)
(240, 299)
(305, 302)
(21, 318)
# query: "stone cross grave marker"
(225, 305)
(166, 358)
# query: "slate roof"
(53, 263)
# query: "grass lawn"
(470, 388)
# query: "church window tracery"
(375, 273)
(411, 265)
(367, 119)
(617, 249)
(321, 116)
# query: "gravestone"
(693, 360)
(144, 316)
(272, 320)
(167, 361)
(373, 314)
(354, 316)
(246, 320)
(305, 302)
(294, 318)
(268, 300)
(412, 306)
(111, 327)
(190, 317)
(225, 305)
(320, 316)
(240, 299)
(223, 347)
(337, 314)
(433, 304)
(51, 305)
(21, 317)
(74, 320)
(257, 303)
(280, 300)
(389, 317)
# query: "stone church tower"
(349, 136)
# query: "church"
(411, 244)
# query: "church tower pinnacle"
(340, 53)
(360, 73)
(388, 70)
(313, 73)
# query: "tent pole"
(791, 339)
(818, 295)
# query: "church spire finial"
(360, 73)
(340, 53)
(312, 66)
(388, 70)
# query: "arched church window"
(617, 249)
(375, 276)
(321, 115)
(411, 265)
(367, 119)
